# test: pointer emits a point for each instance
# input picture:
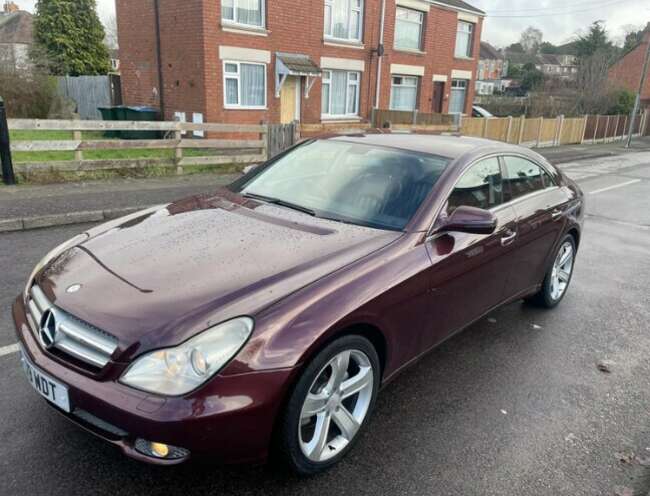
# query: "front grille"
(72, 337)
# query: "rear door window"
(481, 186)
(523, 177)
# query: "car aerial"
(262, 319)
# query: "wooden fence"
(540, 132)
(249, 146)
(390, 118)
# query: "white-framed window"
(244, 12)
(340, 94)
(244, 85)
(464, 39)
(344, 19)
(458, 96)
(408, 29)
(404, 93)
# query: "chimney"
(10, 7)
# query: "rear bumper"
(230, 419)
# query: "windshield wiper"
(281, 203)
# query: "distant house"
(492, 69)
(626, 71)
(115, 60)
(555, 66)
(558, 66)
(15, 37)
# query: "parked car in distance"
(480, 112)
(262, 320)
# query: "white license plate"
(50, 389)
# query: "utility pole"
(637, 102)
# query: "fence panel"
(497, 129)
(473, 126)
(280, 137)
(88, 92)
(531, 130)
(572, 130)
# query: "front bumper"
(230, 419)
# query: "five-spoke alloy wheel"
(330, 404)
(558, 278)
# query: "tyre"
(329, 405)
(557, 279)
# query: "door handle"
(556, 214)
(509, 238)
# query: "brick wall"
(626, 73)
(191, 34)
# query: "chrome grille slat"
(78, 351)
(74, 337)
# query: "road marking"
(9, 350)
(616, 186)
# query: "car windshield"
(348, 182)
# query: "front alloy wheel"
(330, 404)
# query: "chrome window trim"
(500, 156)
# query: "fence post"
(584, 128)
(606, 130)
(593, 141)
(539, 131)
(618, 121)
(77, 136)
(485, 127)
(509, 132)
(522, 127)
(5, 147)
(178, 152)
(415, 117)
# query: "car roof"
(449, 146)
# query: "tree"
(532, 78)
(549, 48)
(515, 48)
(531, 39)
(70, 35)
(596, 40)
(633, 37)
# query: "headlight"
(177, 371)
(62, 248)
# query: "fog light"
(160, 450)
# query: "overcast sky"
(559, 20)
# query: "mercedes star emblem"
(47, 331)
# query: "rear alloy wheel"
(557, 280)
(330, 405)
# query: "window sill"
(231, 27)
(463, 58)
(326, 119)
(335, 42)
(245, 108)
(410, 51)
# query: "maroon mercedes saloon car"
(264, 318)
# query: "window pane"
(231, 92)
(355, 32)
(325, 98)
(408, 29)
(249, 12)
(328, 19)
(522, 177)
(352, 99)
(481, 187)
(464, 39)
(231, 68)
(341, 18)
(458, 97)
(228, 10)
(253, 85)
(404, 92)
(339, 92)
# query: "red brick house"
(247, 61)
(626, 72)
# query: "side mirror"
(250, 168)
(470, 220)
